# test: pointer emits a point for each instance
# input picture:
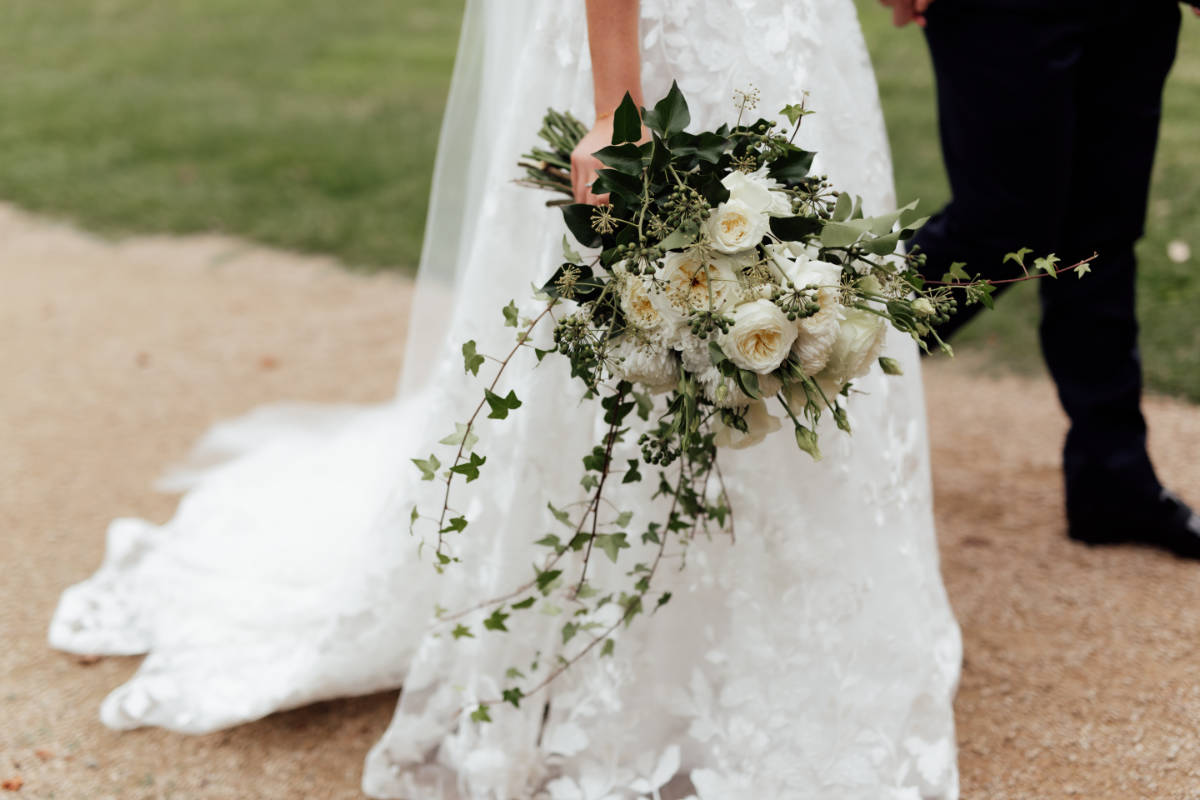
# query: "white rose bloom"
(732, 396)
(815, 273)
(640, 309)
(656, 368)
(859, 342)
(816, 335)
(691, 283)
(735, 227)
(760, 337)
(759, 421)
(758, 191)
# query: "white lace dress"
(816, 657)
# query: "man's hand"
(906, 11)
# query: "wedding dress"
(816, 657)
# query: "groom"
(1049, 113)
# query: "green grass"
(302, 123)
(311, 125)
(1169, 293)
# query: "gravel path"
(1081, 676)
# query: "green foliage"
(428, 466)
(500, 406)
(472, 361)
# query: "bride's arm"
(616, 69)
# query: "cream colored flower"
(816, 335)
(758, 420)
(734, 227)
(859, 342)
(760, 337)
(759, 192)
(693, 283)
(640, 309)
(655, 367)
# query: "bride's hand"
(584, 165)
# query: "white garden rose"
(758, 420)
(692, 283)
(816, 335)
(640, 309)
(734, 227)
(759, 192)
(859, 342)
(653, 366)
(760, 337)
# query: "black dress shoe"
(1167, 523)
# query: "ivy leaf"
(457, 525)
(670, 115)
(496, 621)
(510, 314)
(607, 649)
(545, 580)
(568, 631)
(794, 229)
(578, 217)
(957, 273)
(428, 466)
(501, 405)
(627, 125)
(412, 520)
(514, 674)
(1018, 257)
(680, 237)
(612, 544)
(663, 600)
(632, 475)
(1047, 265)
(794, 112)
(792, 166)
(560, 514)
(462, 631)
(549, 540)
(624, 518)
(481, 714)
(1083, 269)
(462, 435)
(524, 604)
(513, 696)
(471, 468)
(626, 158)
(569, 253)
(472, 360)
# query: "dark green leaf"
(625, 158)
(457, 525)
(607, 648)
(669, 115)
(524, 604)
(495, 622)
(501, 405)
(472, 361)
(471, 468)
(627, 124)
(578, 217)
(546, 579)
(792, 166)
(514, 694)
(794, 229)
(632, 475)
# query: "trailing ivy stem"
(610, 440)
(1027, 277)
(441, 536)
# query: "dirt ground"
(1081, 677)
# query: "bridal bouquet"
(725, 292)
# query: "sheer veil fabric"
(815, 657)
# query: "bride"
(815, 658)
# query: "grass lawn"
(311, 125)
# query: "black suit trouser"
(1049, 121)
